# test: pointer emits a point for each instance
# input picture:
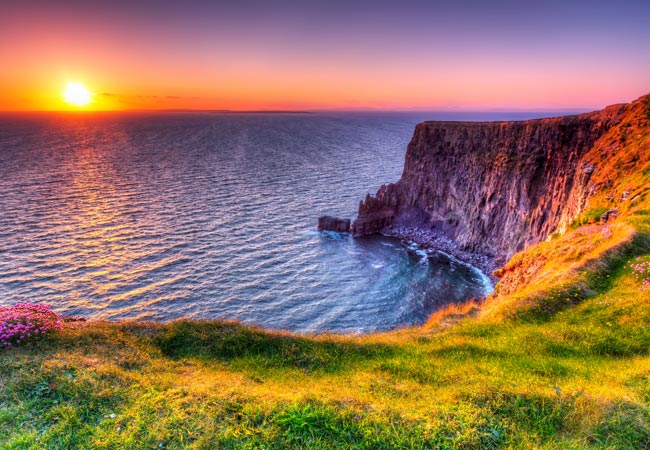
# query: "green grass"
(591, 216)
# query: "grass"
(558, 358)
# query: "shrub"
(24, 321)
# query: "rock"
(588, 168)
(329, 223)
(74, 319)
(611, 214)
(495, 187)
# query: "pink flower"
(641, 272)
(24, 320)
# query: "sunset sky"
(332, 55)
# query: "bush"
(24, 321)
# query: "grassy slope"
(559, 358)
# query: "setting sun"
(76, 94)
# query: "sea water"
(160, 216)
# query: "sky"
(285, 54)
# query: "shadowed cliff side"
(499, 187)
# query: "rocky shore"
(431, 240)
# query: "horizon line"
(313, 110)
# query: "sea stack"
(329, 223)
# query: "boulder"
(329, 223)
(611, 214)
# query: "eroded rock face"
(493, 187)
(329, 223)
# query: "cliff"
(498, 187)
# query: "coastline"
(431, 241)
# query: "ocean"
(161, 216)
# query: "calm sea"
(212, 216)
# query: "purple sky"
(284, 54)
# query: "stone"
(329, 223)
(607, 215)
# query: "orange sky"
(204, 58)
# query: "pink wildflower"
(24, 320)
(641, 273)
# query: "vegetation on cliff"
(558, 357)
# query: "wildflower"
(23, 321)
(641, 272)
(606, 232)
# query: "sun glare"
(76, 94)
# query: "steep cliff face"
(494, 187)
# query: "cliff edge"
(499, 187)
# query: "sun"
(76, 94)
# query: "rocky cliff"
(494, 187)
